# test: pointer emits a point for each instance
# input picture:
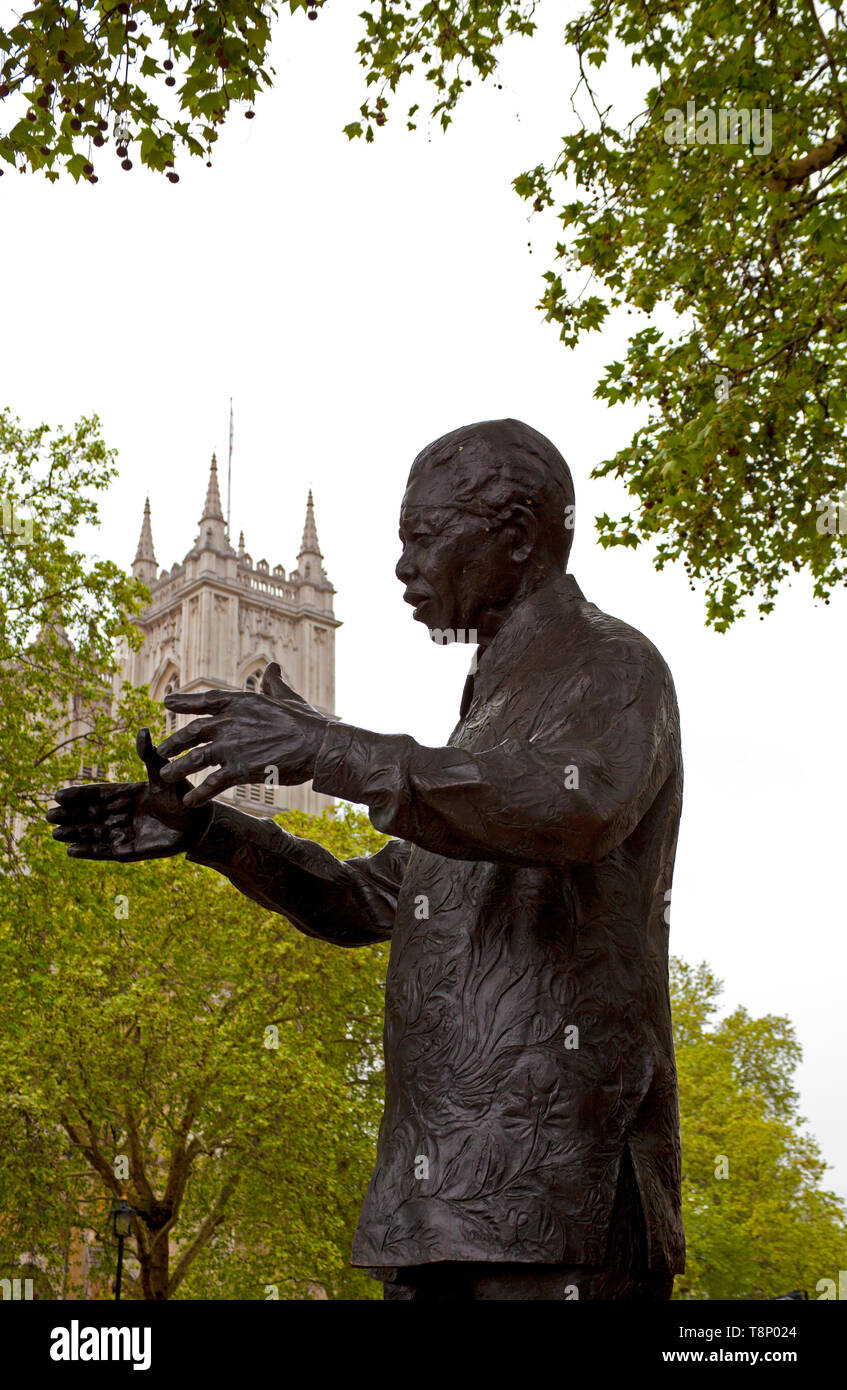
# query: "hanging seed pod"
(126, 163)
(174, 178)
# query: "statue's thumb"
(152, 760)
(274, 686)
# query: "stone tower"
(216, 620)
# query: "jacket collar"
(517, 632)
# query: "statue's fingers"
(152, 760)
(106, 830)
(198, 731)
(84, 815)
(91, 851)
(203, 702)
(191, 762)
(65, 821)
(81, 834)
(70, 797)
(80, 802)
(276, 688)
(215, 783)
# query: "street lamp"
(122, 1215)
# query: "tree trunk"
(154, 1267)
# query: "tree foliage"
(159, 79)
(60, 616)
(758, 1223)
(738, 245)
(730, 253)
(162, 1034)
(744, 242)
(159, 76)
(137, 998)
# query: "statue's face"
(455, 565)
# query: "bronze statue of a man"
(530, 1146)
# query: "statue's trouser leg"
(623, 1275)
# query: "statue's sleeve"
(570, 787)
(350, 902)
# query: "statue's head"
(487, 517)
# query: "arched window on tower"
(170, 717)
(254, 682)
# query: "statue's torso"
(527, 1020)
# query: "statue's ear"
(524, 527)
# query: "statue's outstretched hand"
(128, 821)
(243, 734)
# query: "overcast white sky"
(357, 302)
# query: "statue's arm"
(348, 902)
(571, 791)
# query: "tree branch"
(92, 1153)
(207, 1229)
(829, 57)
(793, 171)
(139, 1177)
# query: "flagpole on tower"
(229, 472)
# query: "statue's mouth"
(418, 601)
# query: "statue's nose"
(404, 570)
